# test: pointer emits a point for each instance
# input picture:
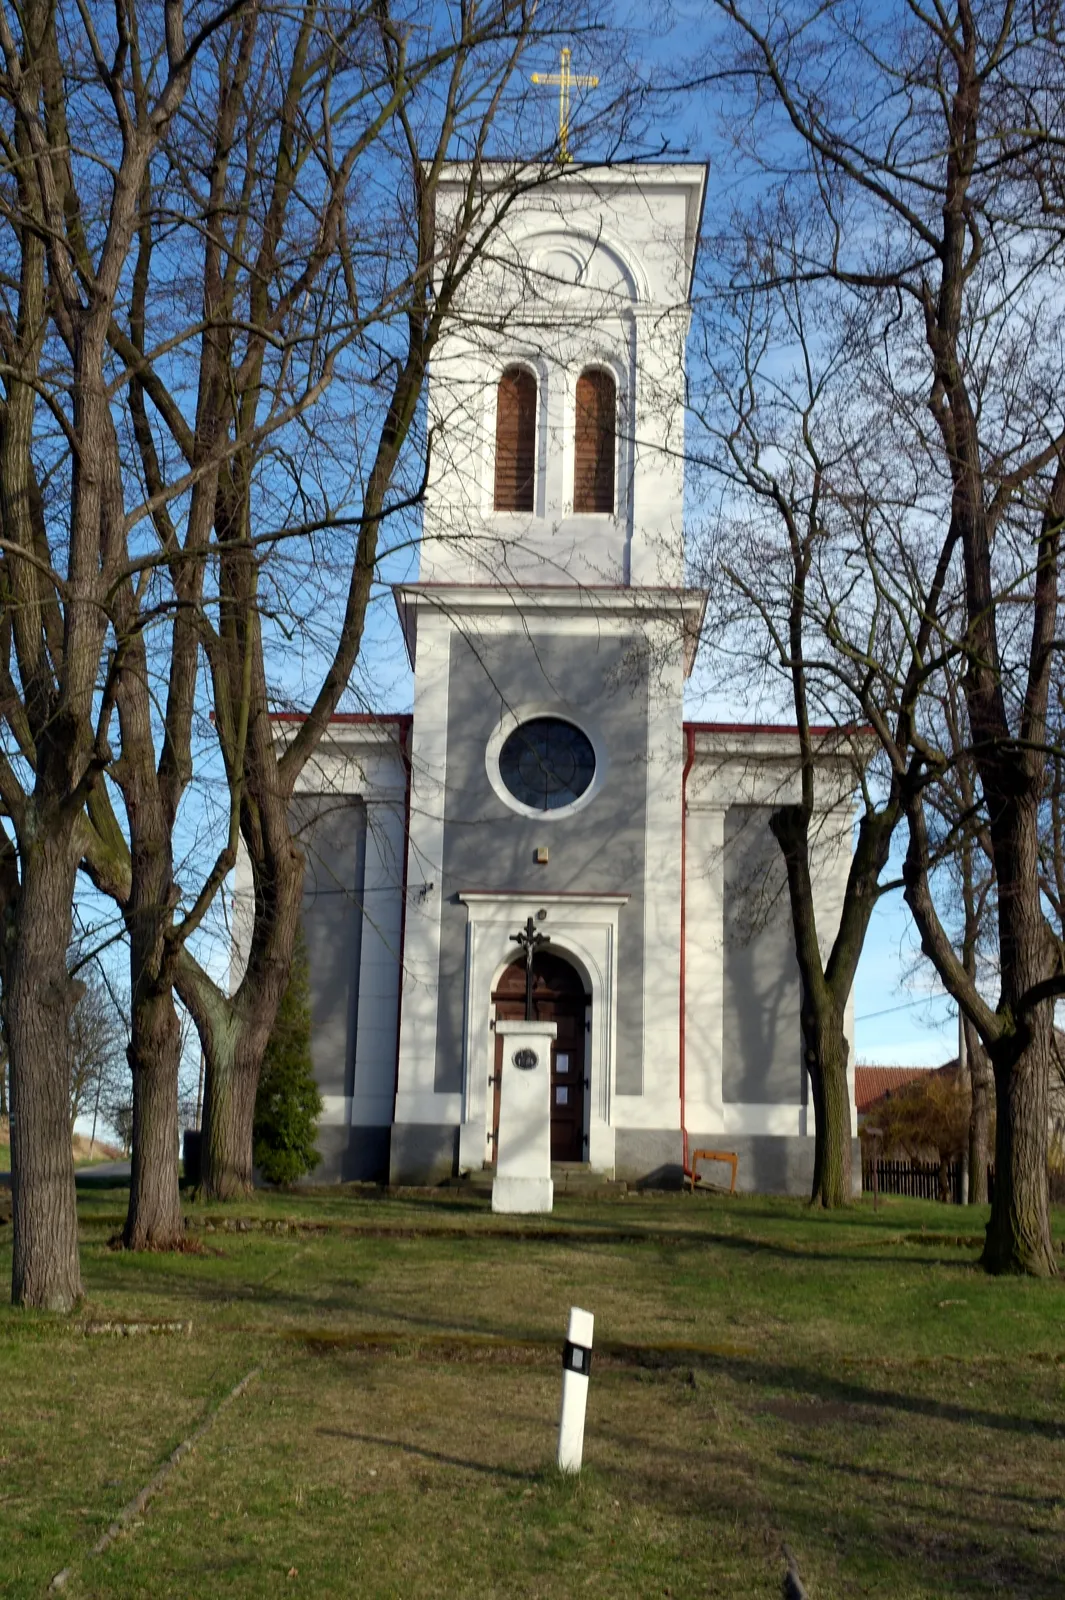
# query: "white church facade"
(547, 778)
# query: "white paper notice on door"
(561, 1096)
(561, 1064)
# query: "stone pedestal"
(523, 1153)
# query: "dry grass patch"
(849, 1385)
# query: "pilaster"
(704, 965)
(416, 1099)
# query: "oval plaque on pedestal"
(525, 1060)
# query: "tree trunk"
(38, 1003)
(824, 1042)
(234, 1058)
(982, 1083)
(1018, 1232)
(235, 1030)
(825, 1046)
(154, 1221)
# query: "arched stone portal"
(558, 997)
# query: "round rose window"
(547, 763)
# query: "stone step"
(569, 1177)
(574, 1177)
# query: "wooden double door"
(558, 997)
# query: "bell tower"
(570, 346)
(550, 633)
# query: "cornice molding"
(552, 601)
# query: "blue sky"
(902, 1016)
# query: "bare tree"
(796, 540)
(925, 143)
(129, 547)
(98, 1040)
(359, 321)
(297, 191)
(263, 169)
(65, 530)
(963, 863)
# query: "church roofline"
(368, 717)
(689, 605)
(783, 729)
(544, 896)
(692, 176)
(839, 743)
(380, 730)
(595, 588)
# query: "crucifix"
(565, 80)
(529, 941)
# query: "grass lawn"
(851, 1386)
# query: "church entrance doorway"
(558, 997)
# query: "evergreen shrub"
(288, 1105)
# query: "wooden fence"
(917, 1179)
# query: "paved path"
(101, 1172)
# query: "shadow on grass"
(514, 1474)
(799, 1383)
(868, 1538)
(853, 1541)
(591, 1233)
(231, 1277)
(944, 1486)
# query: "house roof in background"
(872, 1082)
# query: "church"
(547, 783)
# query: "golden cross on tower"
(565, 80)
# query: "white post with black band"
(576, 1367)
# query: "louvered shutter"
(593, 462)
(515, 440)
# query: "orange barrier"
(728, 1156)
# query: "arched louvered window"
(515, 440)
(596, 428)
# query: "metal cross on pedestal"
(566, 79)
(530, 941)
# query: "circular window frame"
(508, 722)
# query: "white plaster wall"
(704, 994)
(241, 917)
(750, 767)
(656, 205)
(658, 1106)
(416, 1098)
(487, 613)
(831, 858)
(366, 759)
